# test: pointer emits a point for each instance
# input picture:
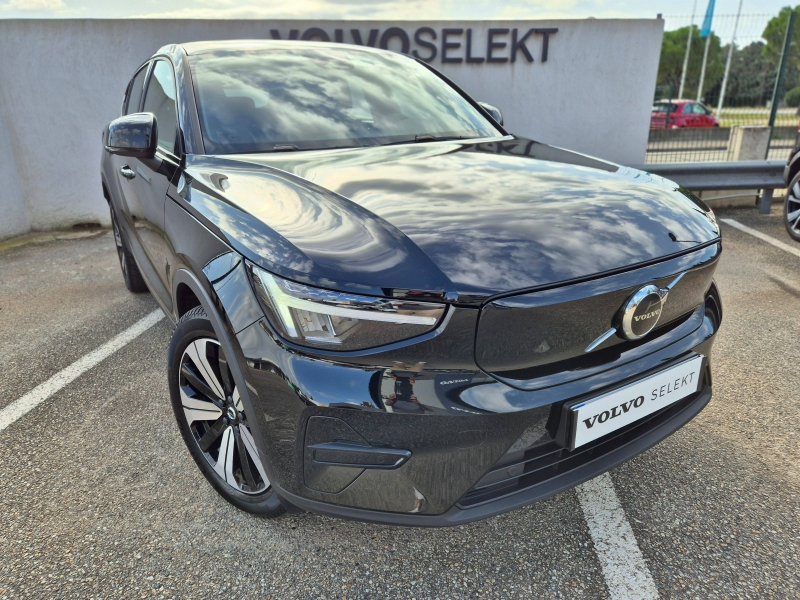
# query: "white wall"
(13, 211)
(61, 81)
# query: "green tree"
(792, 97)
(774, 33)
(673, 49)
(752, 78)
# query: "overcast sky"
(394, 9)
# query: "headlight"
(340, 321)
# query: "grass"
(757, 115)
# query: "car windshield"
(664, 107)
(304, 98)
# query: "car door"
(696, 116)
(129, 205)
(152, 176)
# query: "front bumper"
(417, 434)
(633, 440)
(306, 404)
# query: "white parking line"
(43, 391)
(624, 569)
(762, 236)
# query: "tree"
(774, 33)
(752, 78)
(673, 49)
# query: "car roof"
(678, 101)
(194, 48)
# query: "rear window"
(664, 107)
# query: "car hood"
(463, 219)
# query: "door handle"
(127, 172)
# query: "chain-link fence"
(689, 125)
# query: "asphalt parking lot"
(100, 498)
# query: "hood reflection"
(489, 217)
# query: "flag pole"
(703, 70)
(728, 62)
(705, 32)
(688, 48)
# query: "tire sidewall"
(193, 325)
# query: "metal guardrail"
(766, 175)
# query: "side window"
(160, 100)
(135, 92)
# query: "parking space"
(101, 499)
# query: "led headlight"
(340, 321)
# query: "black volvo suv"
(387, 307)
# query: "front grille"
(538, 339)
(523, 469)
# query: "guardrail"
(766, 175)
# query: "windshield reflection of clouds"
(249, 101)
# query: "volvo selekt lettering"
(606, 415)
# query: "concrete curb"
(50, 236)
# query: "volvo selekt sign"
(450, 44)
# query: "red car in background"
(682, 113)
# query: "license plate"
(602, 415)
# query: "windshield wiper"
(427, 137)
(294, 148)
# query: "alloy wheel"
(792, 211)
(216, 418)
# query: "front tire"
(212, 418)
(791, 209)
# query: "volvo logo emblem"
(640, 314)
(642, 311)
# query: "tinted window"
(253, 101)
(135, 92)
(701, 110)
(664, 107)
(160, 100)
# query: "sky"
(676, 12)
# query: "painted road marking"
(762, 236)
(624, 569)
(43, 391)
(621, 560)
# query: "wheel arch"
(188, 283)
(792, 167)
(185, 299)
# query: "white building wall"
(13, 212)
(62, 81)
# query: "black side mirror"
(493, 112)
(133, 135)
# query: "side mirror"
(133, 135)
(493, 112)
